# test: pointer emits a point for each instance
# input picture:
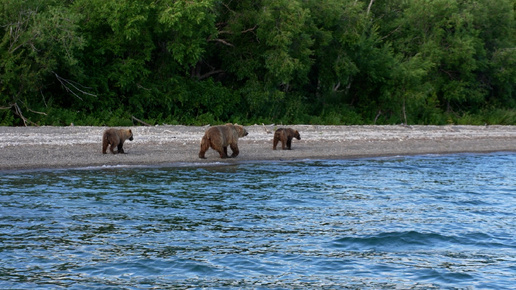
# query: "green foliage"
(190, 23)
(7, 118)
(487, 116)
(103, 62)
(39, 42)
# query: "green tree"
(354, 66)
(263, 49)
(338, 27)
(496, 26)
(453, 42)
(142, 54)
(198, 62)
(38, 55)
(118, 48)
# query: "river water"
(415, 222)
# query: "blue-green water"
(400, 222)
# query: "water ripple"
(417, 222)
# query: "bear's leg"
(205, 145)
(222, 152)
(120, 149)
(275, 143)
(112, 148)
(226, 151)
(289, 143)
(114, 141)
(234, 148)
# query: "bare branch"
(369, 7)
(142, 87)
(41, 113)
(18, 112)
(249, 30)
(227, 7)
(336, 87)
(225, 32)
(222, 41)
(16, 29)
(242, 32)
(266, 130)
(392, 32)
(377, 116)
(225, 42)
(209, 74)
(449, 73)
(65, 83)
(138, 120)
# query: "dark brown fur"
(220, 137)
(285, 135)
(115, 138)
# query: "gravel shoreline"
(167, 145)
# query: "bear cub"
(220, 137)
(115, 138)
(285, 135)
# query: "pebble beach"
(48, 147)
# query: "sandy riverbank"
(73, 147)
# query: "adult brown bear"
(220, 137)
(285, 135)
(116, 138)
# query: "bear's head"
(240, 130)
(296, 135)
(130, 134)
